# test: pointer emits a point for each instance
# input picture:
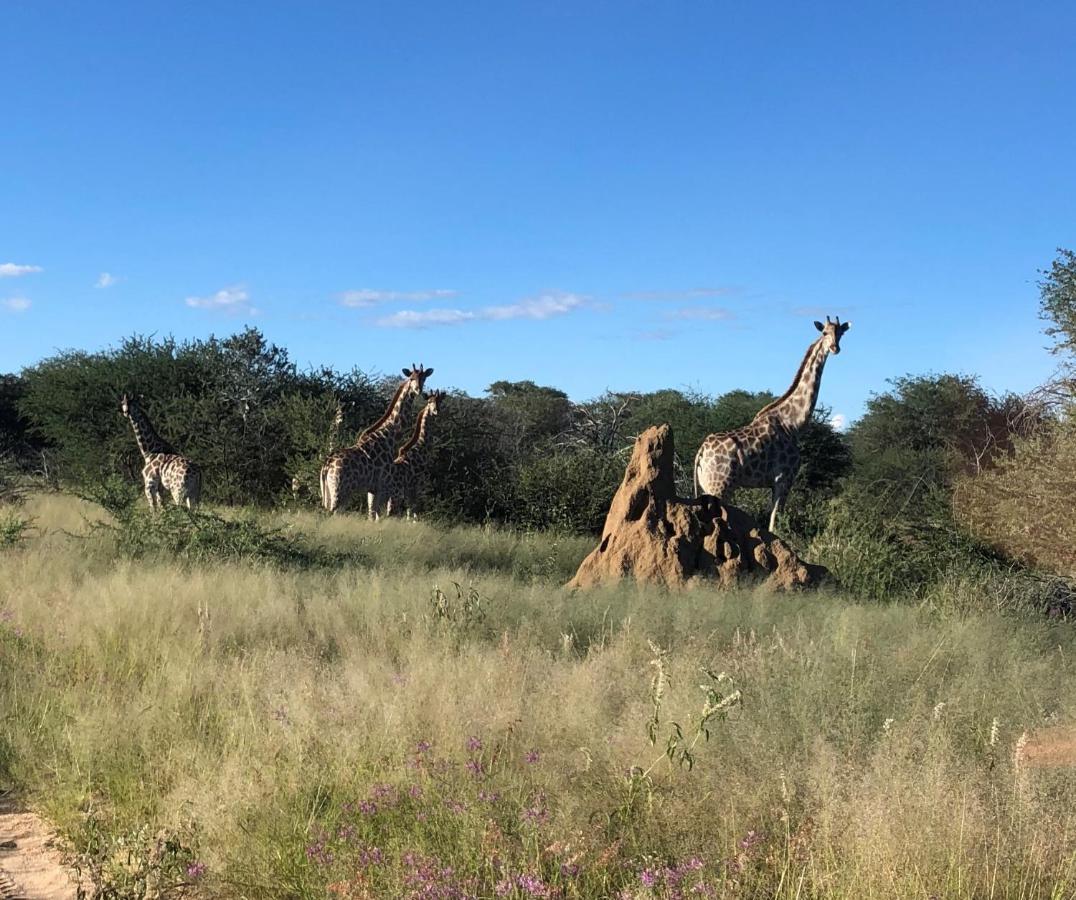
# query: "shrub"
(1023, 506)
(569, 490)
(876, 549)
(197, 537)
(13, 529)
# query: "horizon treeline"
(935, 469)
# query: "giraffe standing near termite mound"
(364, 467)
(163, 466)
(766, 453)
(409, 468)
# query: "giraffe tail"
(194, 492)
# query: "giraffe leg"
(371, 506)
(330, 490)
(153, 493)
(780, 492)
(193, 485)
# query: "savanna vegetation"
(260, 701)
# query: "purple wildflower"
(474, 767)
(532, 885)
(319, 853)
(370, 856)
(536, 814)
(415, 791)
(473, 744)
(196, 870)
(367, 807)
(388, 794)
(648, 877)
(533, 757)
(423, 747)
(428, 878)
(750, 839)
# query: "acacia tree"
(1057, 306)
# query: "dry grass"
(1023, 504)
(256, 716)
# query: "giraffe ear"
(819, 326)
(845, 326)
(406, 373)
(427, 373)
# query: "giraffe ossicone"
(163, 467)
(765, 453)
(364, 468)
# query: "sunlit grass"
(445, 704)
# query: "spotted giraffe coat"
(163, 467)
(409, 468)
(362, 469)
(765, 453)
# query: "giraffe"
(409, 468)
(163, 466)
(363, 467)
(765, 453)
(298, 488)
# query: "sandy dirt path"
(31, 865)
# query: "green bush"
(568, 490)
(196, 537)
(13, 529)
(876, 548)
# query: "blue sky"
(590, 195)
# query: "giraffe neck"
(146, 437)
(385, 428)
(796, 406)
(334, 429)
(412, 450)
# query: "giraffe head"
(416, 378)
(433, 402)
(832, 333)
(128, 405)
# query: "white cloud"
(707, 313)
(106, 280)
(367, 297)
(17, 304)
(544, 307)
(12, 270)
(234, 300)
(409, 318)
(839, 421)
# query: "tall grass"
(441, 719)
